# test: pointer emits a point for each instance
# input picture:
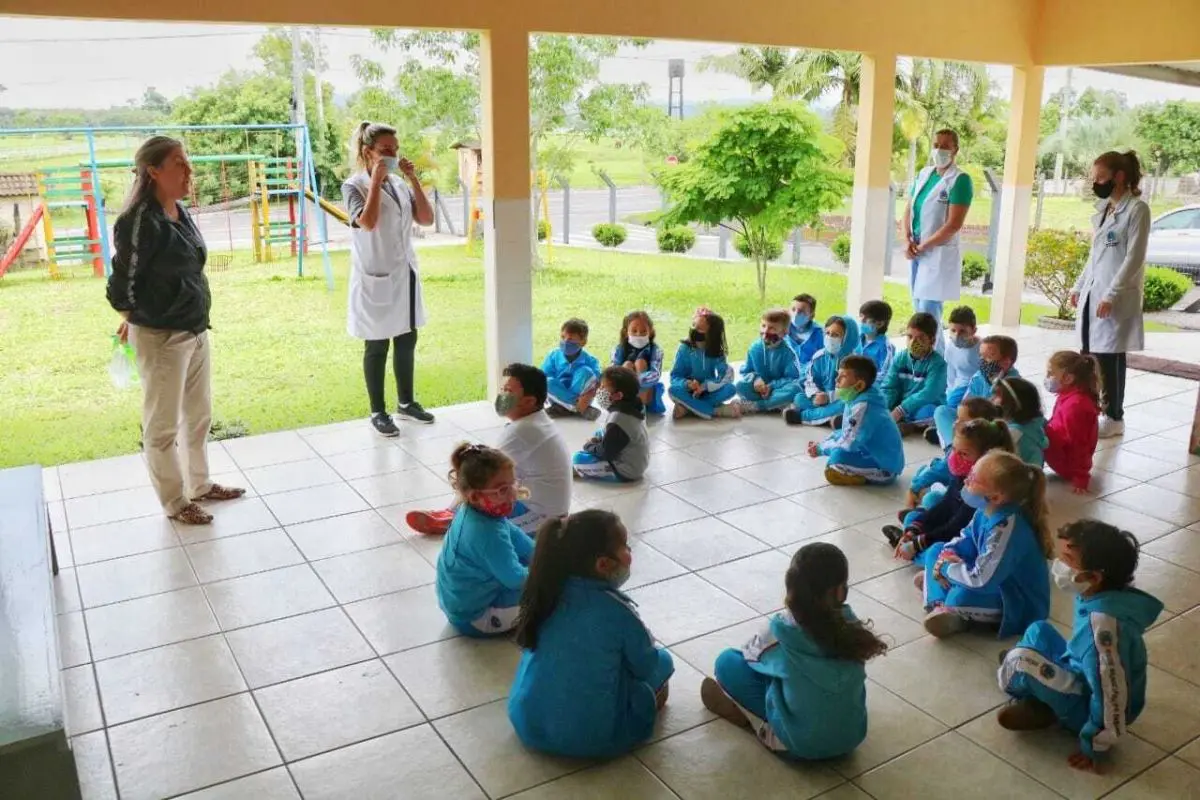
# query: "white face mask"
(639, 341)
(941, 158)
(1064, 577)
(833, 344)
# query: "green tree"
(765, 171)
(155, 101)
(759, 66)
(1171, 131)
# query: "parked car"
(1175, 241)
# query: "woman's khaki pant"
(175, 371)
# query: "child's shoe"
(717, 701)
(839, 478)
(731, 410)
(942, 623)
(893, 534)
(591, 414)
(792, 416)
(430, 523)
(931, 436)
(1026, 714)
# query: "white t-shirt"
(543, 462)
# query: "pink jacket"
(1073, 433)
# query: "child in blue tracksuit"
(961, 354)
(1094, 685)
(637, 350)
(1020, 404)
(572, 373)
(817, 403)
(866, 448)
(997, 359)
(590, 681)
(483, 563)
(701, 379)
(800, 685)
(995, 571)
(931, 480)
(805, 336)
(916, 383)
(771, 375)
(874, 318)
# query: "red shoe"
(430, 523)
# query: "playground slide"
(27, 229)
(326, 206)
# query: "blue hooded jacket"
(980, 386)
(586, 691)
(777, 366)
(483, 559)
(805, 342)
(651, 353)
(914, 384)
(868, 430)
(816, 704)
(880, 350)
(936, 471)
(822, 371)
(560, 369)
(1108, 651)
(1031, 440)
(691, 363)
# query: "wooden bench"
(35, 754)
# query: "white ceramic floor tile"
(734, 452)
(625, 777)
(265, 596)
(1170, 779)
(94, 766)
(348, 533)
(274, 784)
(1184, 481)
(1172, 646)
(684, 709)
(148, 622)
(721, 492)
(267, 449)
(866, 550)
(402, 620)
(780, 522)
(66, 592)
(889, 624)
(99, 509)
(434, 451)
(920, 671)
(677, 466)
(456, 674)
(701, 652)
(297, 646)
(1143, 526)
(757, 580)
(1181, 548)
(230, 518)
(233, 556)
(786, 476)
(848, 504)
(650, 566)
(356, 576)
(894, 727)
(1176, 587)
(400, 487)
(1160, 503)
(73, 648)
(82, 700)
(685, 607)
(702, 543)
(651, 509)
(1132, 465)
(102, 476)
(376, 460)
(316, 502)
(1171, 717)
(292, 475)
(134, 576)
(117, 539)
(896, 591)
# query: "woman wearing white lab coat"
(385, 302)
(937, 208)
(1110, 289)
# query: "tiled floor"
(295, 647)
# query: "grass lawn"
(282, 358)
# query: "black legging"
(403, 360)
(1112, 371)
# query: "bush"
(1053, 263)
(975, 266)
(609, 234)
(841, 248)
(543, 230)
(1164, 288)
(679, 239)
(774, 248)
(7, 234)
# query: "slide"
(18, 244)
(326, 206)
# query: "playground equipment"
(72, 187)
(14, 249)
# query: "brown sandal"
(192, 514)
(219, 492)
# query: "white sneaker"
(1111, 427)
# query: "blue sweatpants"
(706, 404)
(778, 398)
(747, 687)
(663, 671)
(566, 391)
(592, 467)
(923, 416)
(656, 404)
(817, 415)
(1038, 667)
(854, 463)
(981, 605)
(944, 418)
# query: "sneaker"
(1111, 427)
(384, 426)
(909, 428)
(717, 701)
(839, 478)
(591, 414)
(919, 581)
(429, 523)
(792, 416)
(1026, 714)
(942, 623)
(414, 413)
(556, 411)
(931, 436)
(893, 533)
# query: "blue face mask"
(868, 328)
(974, 500)
(1052, 384)
(569, 347)
(801, 320)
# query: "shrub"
(678, 239)
(774, 248)
(841, 248)
(1053, 263)
(7, 234)
(609, 234)
(975, 266)
(543, 230)
(1164, 288)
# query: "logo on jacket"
(1048, 672)
(495, 622)
(1110, 240)
(1105, 638)
(944, 196)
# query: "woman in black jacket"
(158, 287)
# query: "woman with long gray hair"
(158, 287)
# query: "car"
(1175, 241)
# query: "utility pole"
(1064, 112)
(316, 43)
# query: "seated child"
(590, 681)
(867, 447)
(874, 317)
(638, 351)
(1020, 404)
(620, 451)
(995, 570)
(817, 403)
(701, 379)
(946, 519)
(1095, 685)
(997, 359)
(931, 480)
(482, 565)
(800, 684)
(916, 383)
(805, 336)
(572, 374)
(771, 375)
(962, 353)
(1074, 427)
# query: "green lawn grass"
(282, 359)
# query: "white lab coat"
(1116, 271)
(383, 264)
(938, 271)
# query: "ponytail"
(363, 139)
(1024, 485)
(1127, 163)
(1084, 369)
(472, 466)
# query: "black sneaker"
(931, 436)
(893, 533)
(384, 426)
(792, 416)
(556, 411)
(414, 413)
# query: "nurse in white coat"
(937, 208)
(1109, 292)
(385, 303)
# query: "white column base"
(507, 287)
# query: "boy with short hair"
(874, 317)
(805, 336)
(867, 447)
(1094, 685)
(997, 360)
(620, 451)
(771, 375)
(962, 360)
(572, 374)
(916, 383)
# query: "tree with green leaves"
(1171, 131)
(773, 67)
(765, 171)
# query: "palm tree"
(758, 66)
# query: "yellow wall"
(1071, 32)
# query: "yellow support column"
(507, 257)
(255, 236)
(1020, 161)
(872, 178)
(264, 205)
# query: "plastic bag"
(122, 367)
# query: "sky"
(85, 63)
